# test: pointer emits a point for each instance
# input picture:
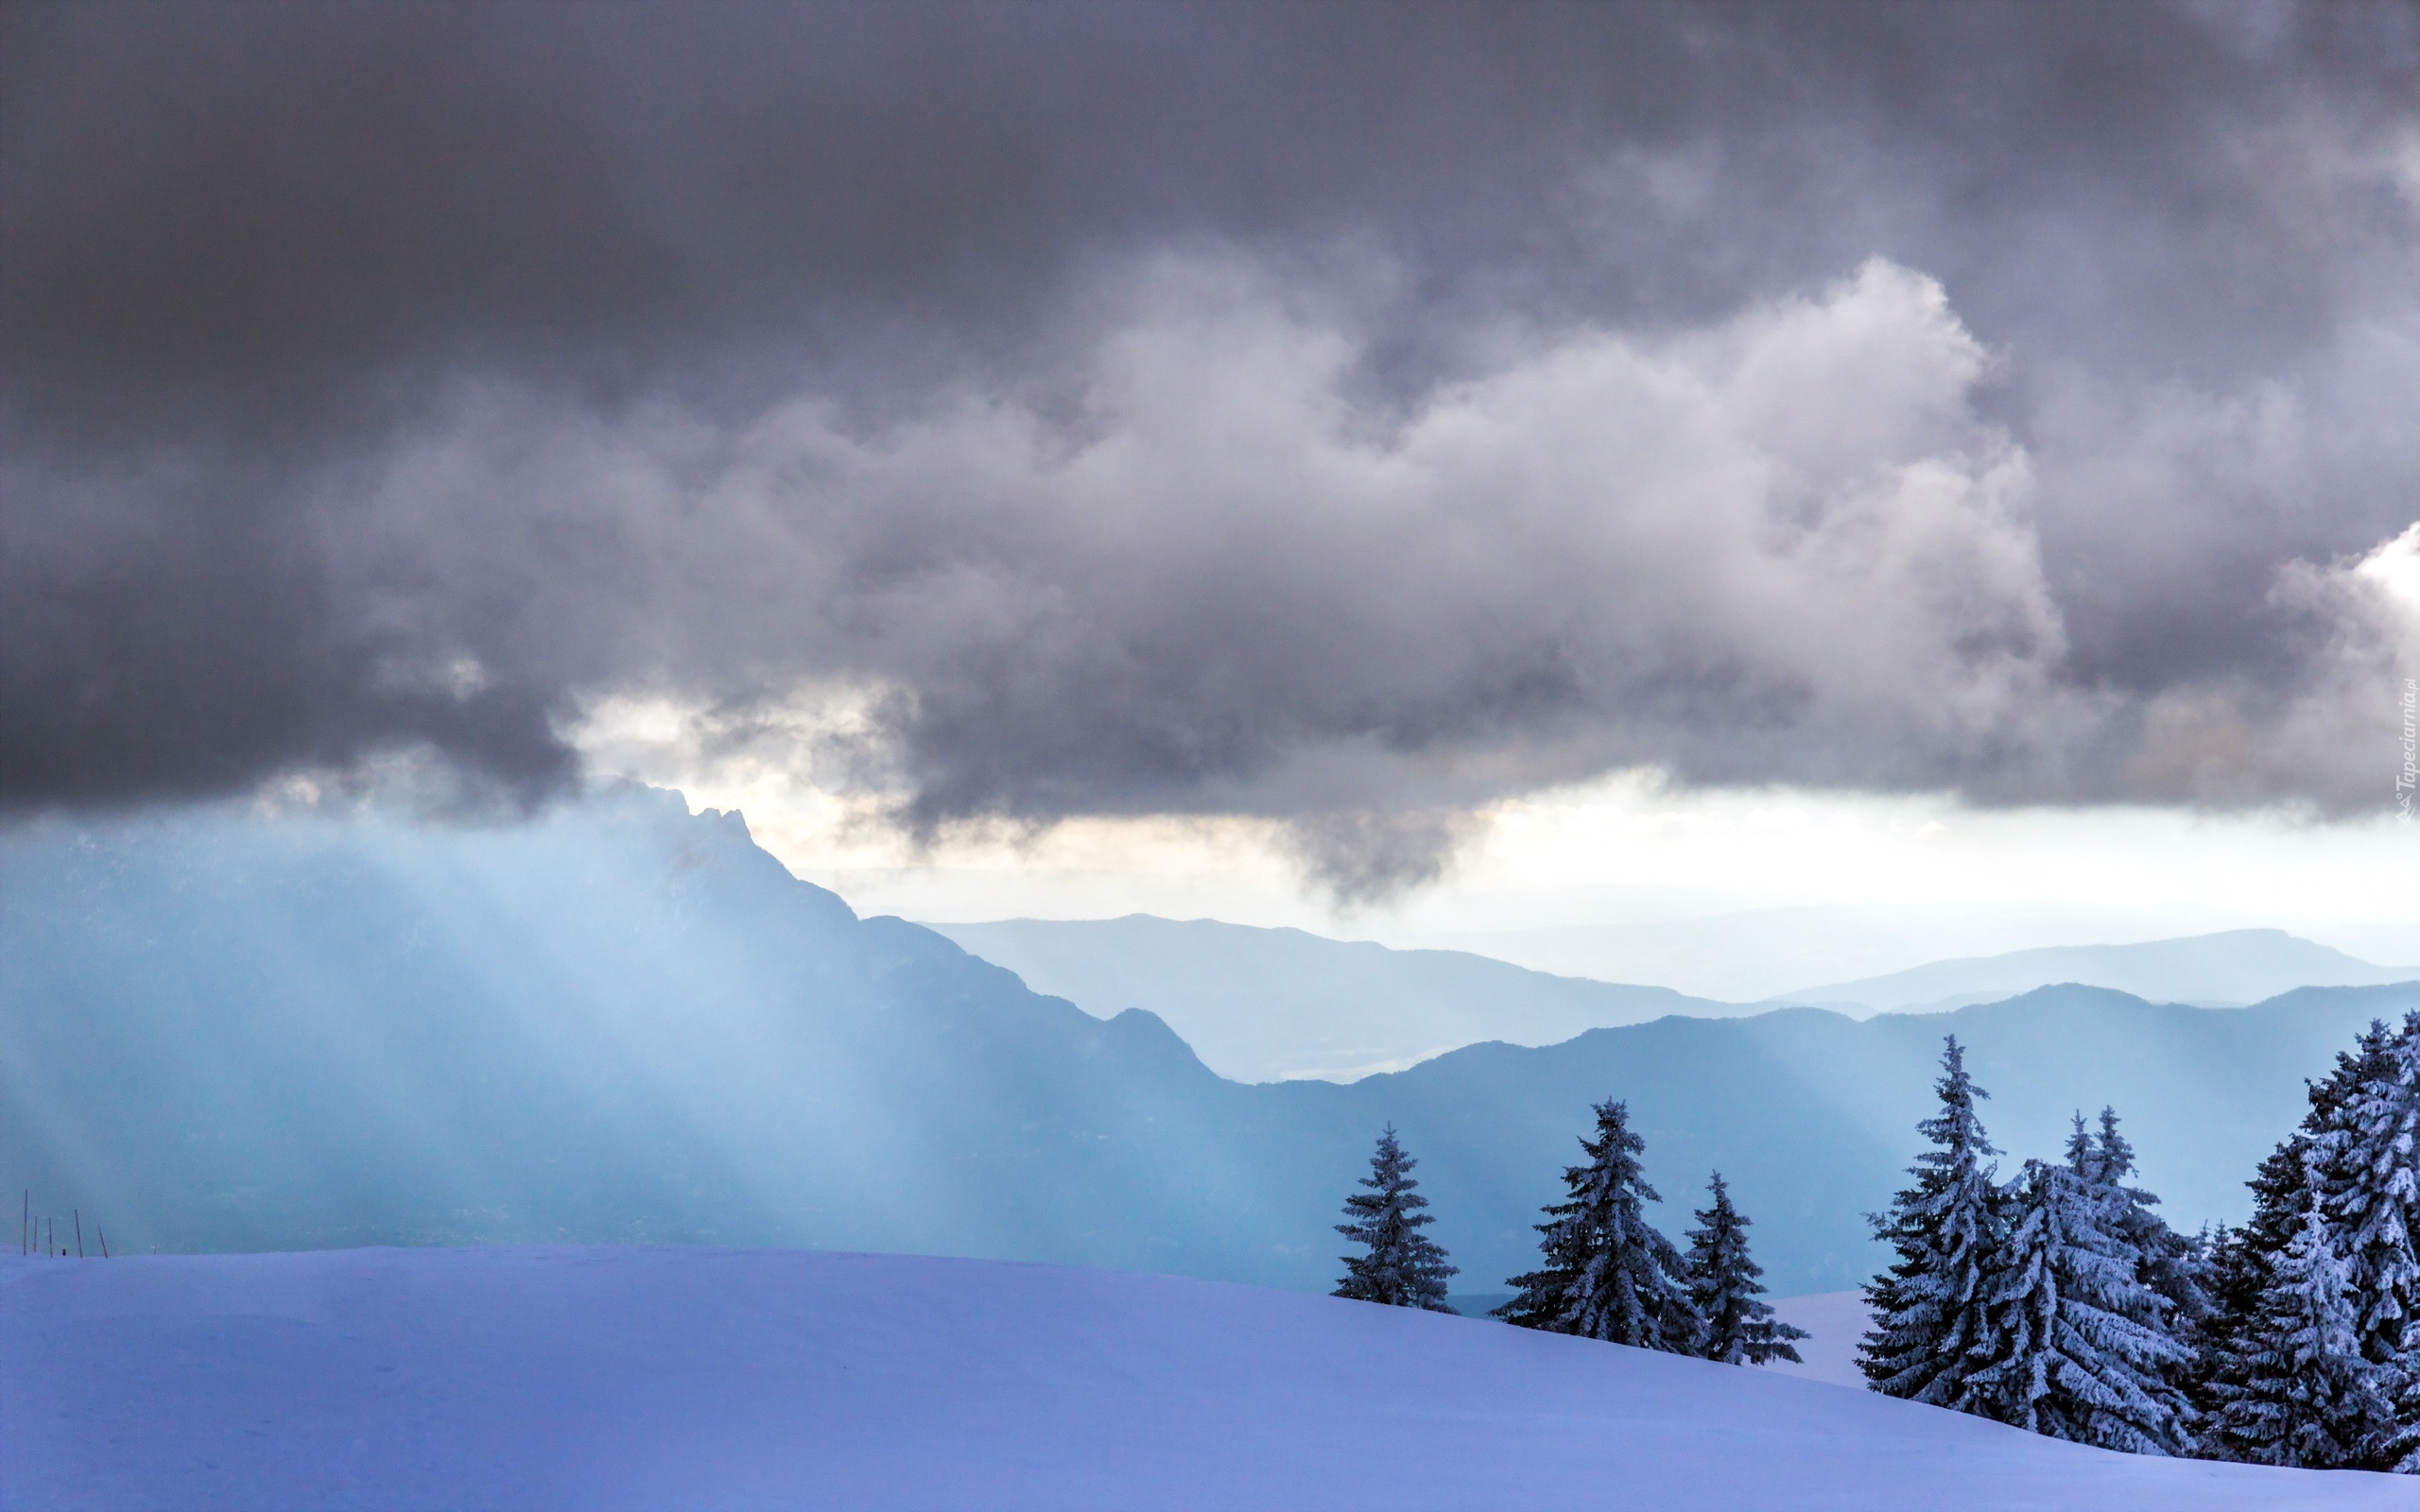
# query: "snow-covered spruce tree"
(2371, 1198)
(1608, 1273)
(2400, 1449)
(2081, 1348)
(1740, 1328)
(2313, 1163)
(1403, 1267)
(2171, 1265)
(1932, 1325)
(2174, 1268)
(2298, 1391)
(2242, 1272)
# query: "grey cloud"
(1780, 547)
(298, 198)
(376, 377)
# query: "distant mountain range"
(2229, 969)
(1751, 955)
(1267, 1005)
(1766, 954)
(1273, 1004)
(619, 1022)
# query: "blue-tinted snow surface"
(596, 1379)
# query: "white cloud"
(1783, 545)
(1228, 581)
(2333, 737)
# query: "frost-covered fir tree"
(2320, 1163)
(1401, 1266)
(1932, 1328)
(2175, 1269)
(2372, 1197)
(2171, 1265)
(2398, 1448)
(2243, 1261)
(2080, 1347)
(1740, 1328)
(2300, 1392)
(1608, 1273)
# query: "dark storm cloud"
(386, 377)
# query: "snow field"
(598, 1378)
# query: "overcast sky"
(1333, 422)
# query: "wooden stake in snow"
(78, 1216)
(105, 1240)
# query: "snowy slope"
(596, 1379)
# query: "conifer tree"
(2372, 1200)
(2317, 1169)
(1932, 1325)
(1608, 1273)
(2397, 1446)
(2243, 1261)
(1740, 1328)
(2242, 1268)
(2173, 1266)
(2235, 1275)
(2299, 1391)
(1403, 1267)
(2081, 1349)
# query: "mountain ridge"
(2229, 968)
(624, 1024)
(1282, 1003)
(1263, 1003)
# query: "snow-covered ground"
(594, 1378)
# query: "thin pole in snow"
(80, 1231)
(105, 1240)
